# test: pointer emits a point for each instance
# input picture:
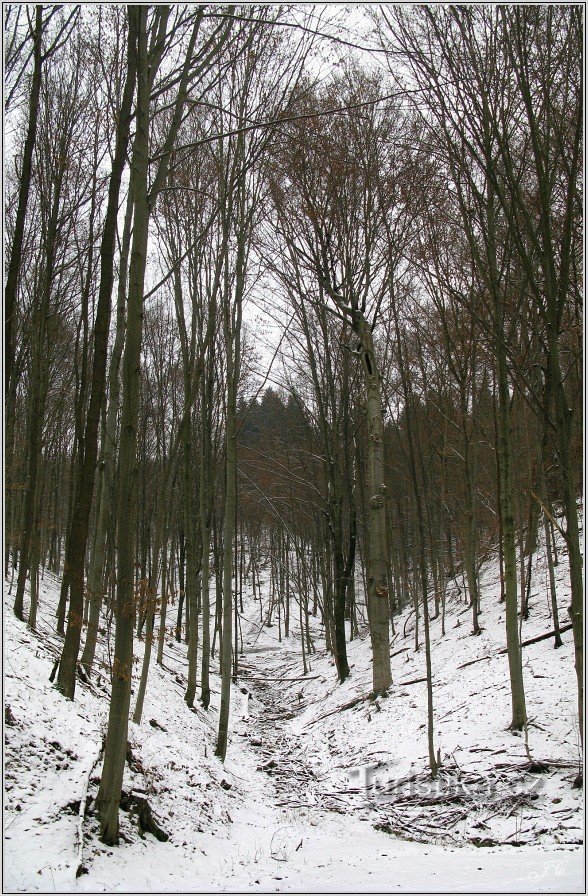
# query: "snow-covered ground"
(312, 796)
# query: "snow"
(288, 811)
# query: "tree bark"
(109, 792)
(97, 566)
(229, 529)
(12, 275)
(377, 565)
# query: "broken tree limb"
(535, 640)
(278, 680)
(549, 515)
(349, 705)
(563, 628)
(80, 867)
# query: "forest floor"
(323, 788)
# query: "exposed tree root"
(138, 805)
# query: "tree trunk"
(181, 582)
(552, 588)
(109, 793)
(519, 716)
(12, 275)
(377, 567)
(229, 529)
(192, 586)
(34, 574)
(97, 566)
(163, 612)
(205, 675)
(576, 608)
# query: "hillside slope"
(290, 809)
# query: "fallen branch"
(535, 640)
(406, 621)
(349, 705)
(549, 516)
(278, 680)
(530, 765)
(562, 628)
(80, 867)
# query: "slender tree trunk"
(64, 590)
(218, 593)
(205, 675)
(181, 582)
(471, 527)
(339, 617)
(109, 792)
(163, 613)
(300, 599)
(150, 614)
(12, 275)
(159, 549)
(192, 585)
(552, 588)
(11, 467)
(97, 566)
(504, 452)
(412, 456)
(570, 498)
(34, 574)
(229, 528)
(232, 338)
(377, 567)
(287, 588)
(519, 716)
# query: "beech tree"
(37, 27)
